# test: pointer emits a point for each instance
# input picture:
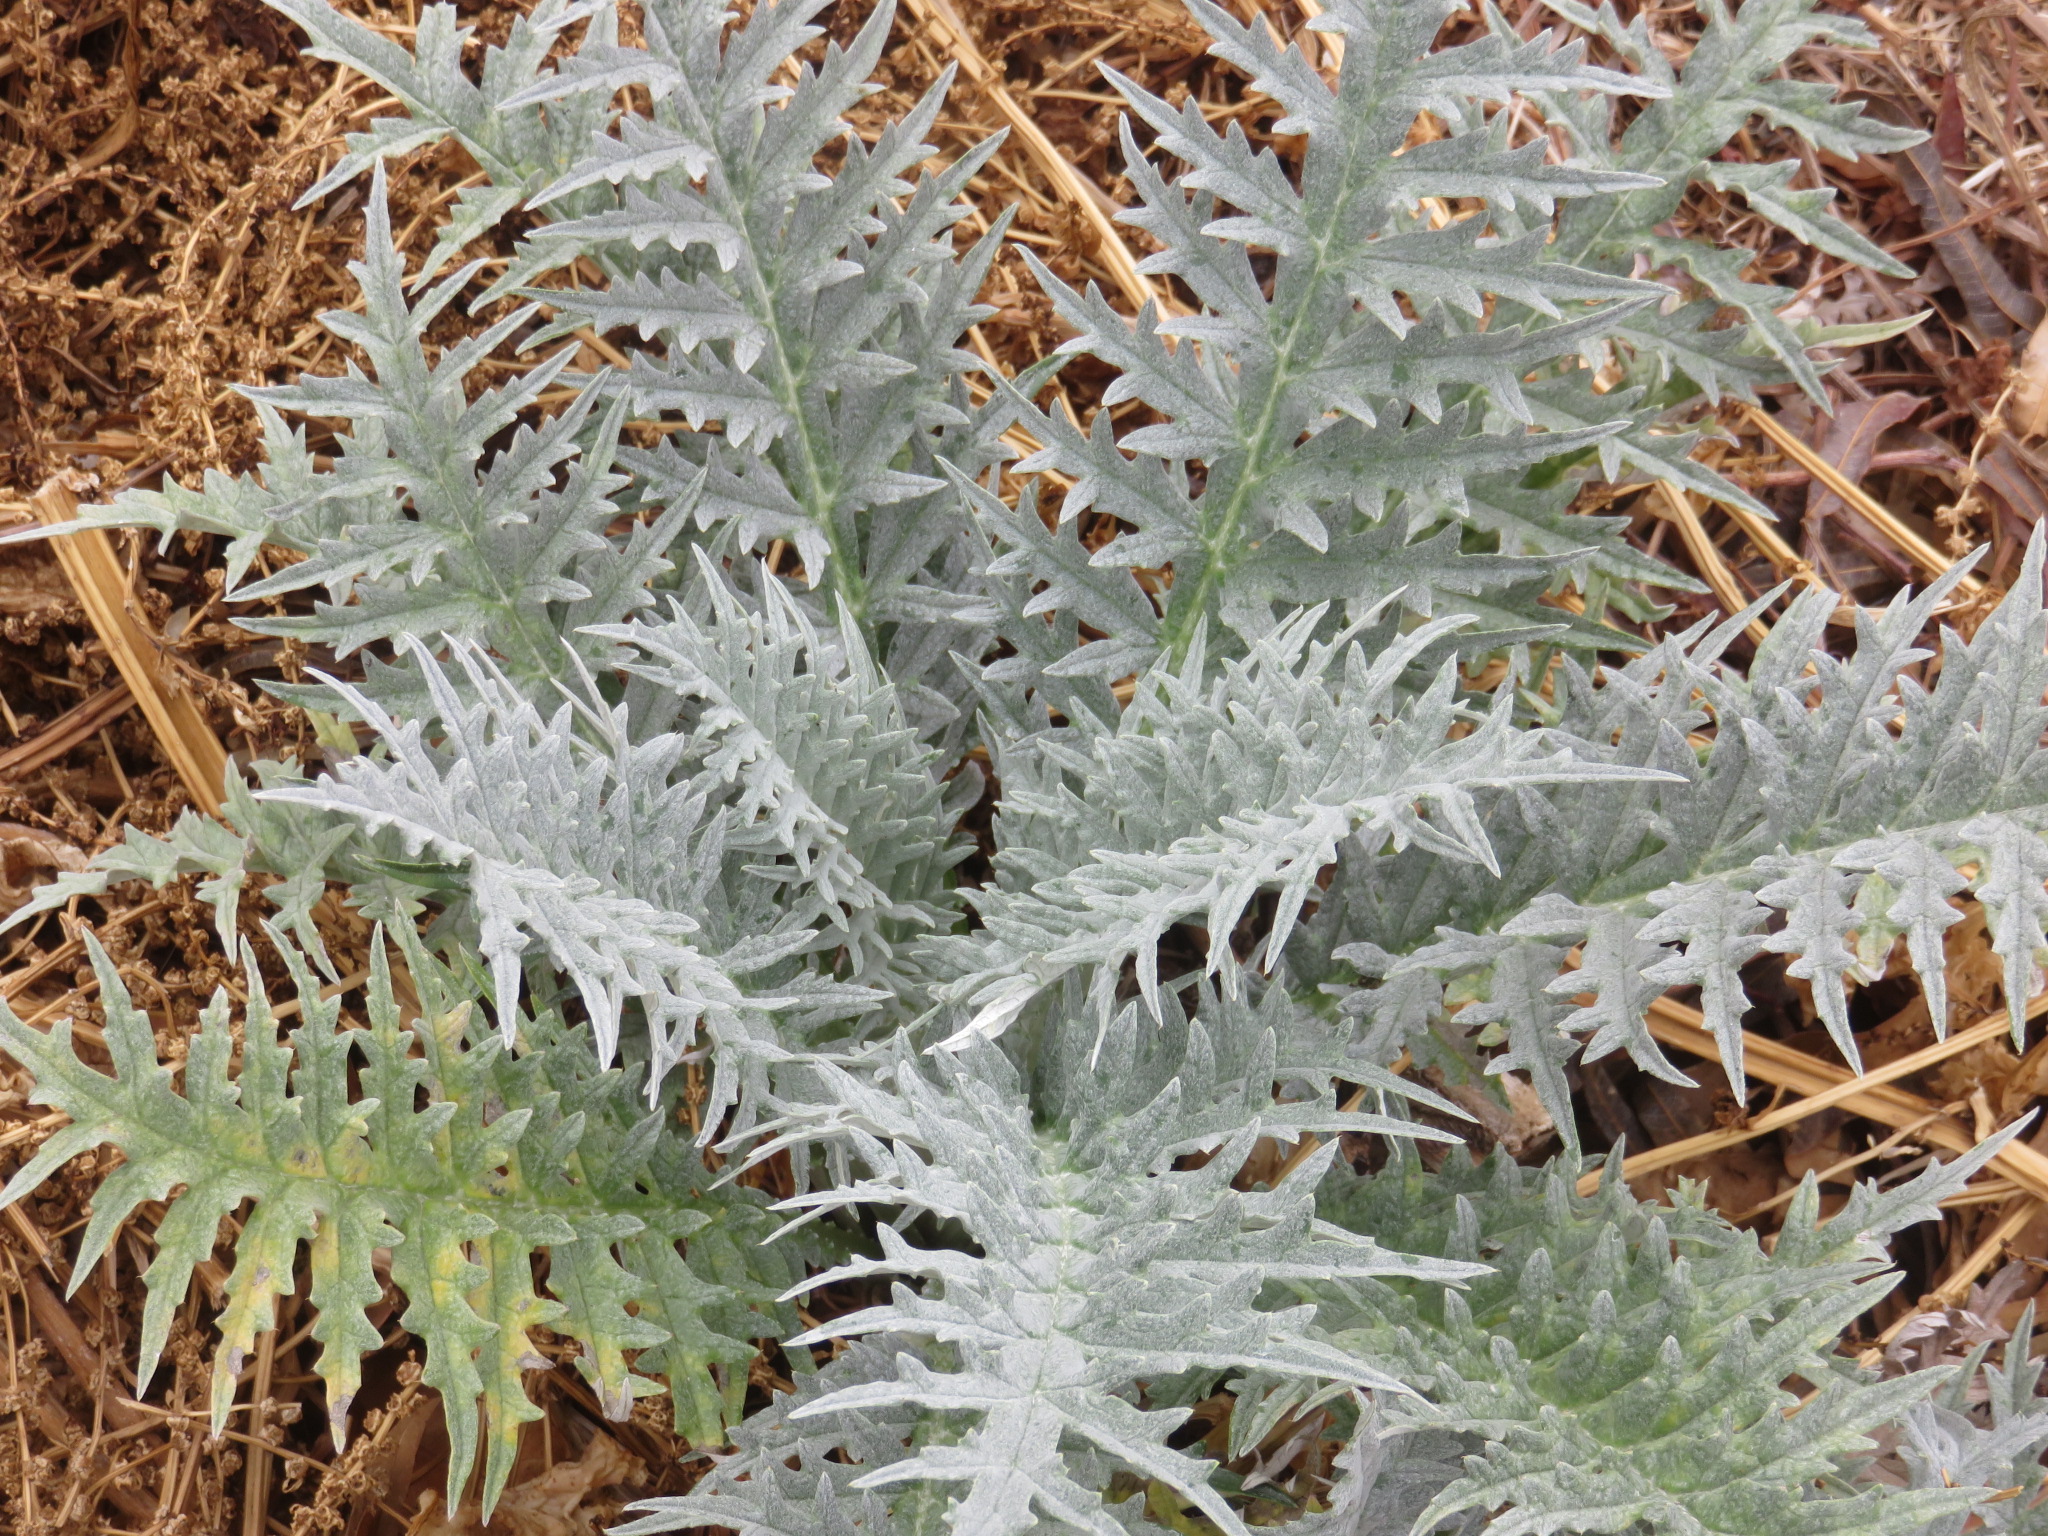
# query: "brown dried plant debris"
(1938, 425)
(149, 260)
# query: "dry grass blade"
(1333, 42)
(1087, 198)
(57, 1325)
(1914, 547)
(70, 950)
(188, 742)
(31, 1130)
(1955, 1290)
(1771, 545)
(256, 1474)
(1706, 558)
(1835, 1169)
(1825, 1086)
(75, 726)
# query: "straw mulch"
(150, 260)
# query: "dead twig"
(87, 556)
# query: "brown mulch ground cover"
(150, 260)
